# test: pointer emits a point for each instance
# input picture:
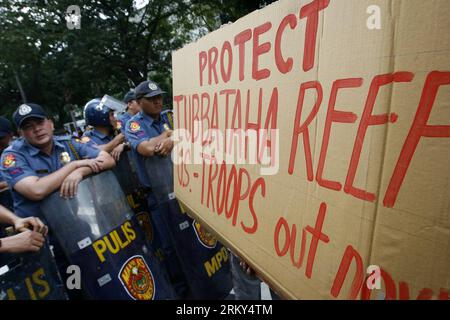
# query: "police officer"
(146, 130)
(147, 134)
(131, 109)
(104, 134)
(39, 163)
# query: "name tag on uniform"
(42, 171)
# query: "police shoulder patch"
(135, 126)
(203, 236)
(119, 124)
(137, 279)
(9, 160)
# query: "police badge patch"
(137, 279)
(135, 126)
(152, 86)
(205, 238)
(9, 160)
(65, 158)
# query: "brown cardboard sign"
(313, 139)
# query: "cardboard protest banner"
(338, 118)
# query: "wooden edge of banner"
(271, 282)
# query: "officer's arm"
(148, 148)
(109, 147)
(37, 188)
(22, 242)
(6, 216)
(106, 162)
(21, 224)
(106, 159)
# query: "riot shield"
(126, 173)
(30, 276)
(205, 261)
(98, 232)
(137, 197)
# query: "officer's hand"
(247, 269)
(95, 165)
(117, 151)
(168, 133)
(164, 147)
(22, 242)
(69, 186)
(22, 225)
(120, 138)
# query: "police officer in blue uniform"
(149, 133)
(139, 129)
(131, 109)
(38, 163)
(148, 124)
(105, 133)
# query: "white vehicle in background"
(71, 127)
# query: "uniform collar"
(35, 151)
(99, 134)
(149, 118)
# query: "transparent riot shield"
(99, 233)
(205, 261)
(136, 194)
(30, 276)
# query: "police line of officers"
(39, 163)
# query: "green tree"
(116, 47)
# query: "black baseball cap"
(26, 111)
(147, 89)
(5, 127)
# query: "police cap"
(147, 89)
(129, 96)
(26, 111)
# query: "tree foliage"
(116, 47)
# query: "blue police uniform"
(124, 117)
(141, 128)
(167, 116)
(97, 137)
(21, 160)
